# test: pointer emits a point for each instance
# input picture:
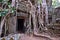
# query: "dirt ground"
(30, 37)
(33, 38)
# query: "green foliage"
(4, 11)
(40, 1)
(1, 0)
(13, 10)
(55, 3)
(0, 14)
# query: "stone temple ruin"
(29, 17)
(20, 21)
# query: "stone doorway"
(20, 26)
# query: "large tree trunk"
(39, 20)
(49, 3)
(44, 6)
(2, 23)
(32, 12)
(13, 3)
(34, 18)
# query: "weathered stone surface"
(12, 25)
(22, 14)
(22, 6)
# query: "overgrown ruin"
(29, 17)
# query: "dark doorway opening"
(20, 27)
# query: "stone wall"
(11, 24)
